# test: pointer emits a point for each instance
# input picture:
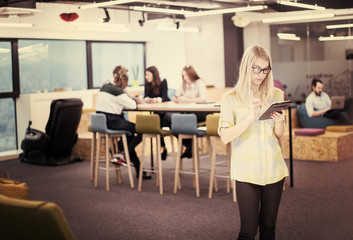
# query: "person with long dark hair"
(156, 91)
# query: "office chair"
(54, 147)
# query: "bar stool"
(99, 125)
(212, 132)
(185, 125)
(149, 126)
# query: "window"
(106, 56)
(49, 64)
(5, 67)
(8, 140)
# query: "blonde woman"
(257, 163)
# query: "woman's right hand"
(255, 105)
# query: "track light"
(107, 17)
(142, 21)
(177, 24)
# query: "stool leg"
(159, 159)
(107, 161)
(234, 191)
(113, 142)
(174, 154)
(195, 152)
(214, 154)
(213, 165)
(93, 146)
(128, 162)
(142, 161)
(98, 141)
(177, 165)
(157, 164)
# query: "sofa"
(334, 144)
(313, 122)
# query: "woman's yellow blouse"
(256, 154)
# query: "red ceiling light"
(69, 17)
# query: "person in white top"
(192, 90)
(111, 100)
(318, 103)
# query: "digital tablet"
(275, 107)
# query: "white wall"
(168, 51)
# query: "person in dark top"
(156, 91)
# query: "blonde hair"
(242, 88)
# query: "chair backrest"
(148, 123)
(99, 123)
(64, 118)
(212, 124)
(25, 219)
(171, 92)
(184, 123)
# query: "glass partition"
(307, 55)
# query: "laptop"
(337, 102)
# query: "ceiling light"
(87, 26)
(339, 26)
(333, 38)
(104, 4)
(297, 17)
(288, 36)
(103, 29)
(225, 10)
(159, 10)
(20, 25)
(15, 11)
(301, 5)
(180, 29)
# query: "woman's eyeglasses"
(257, 69)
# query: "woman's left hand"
(279, 117)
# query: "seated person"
(193, 90)
(318, 103)
(111, 100)
(156, 91)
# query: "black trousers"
(118, 122)
(258, 207)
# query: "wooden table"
(179, 107)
